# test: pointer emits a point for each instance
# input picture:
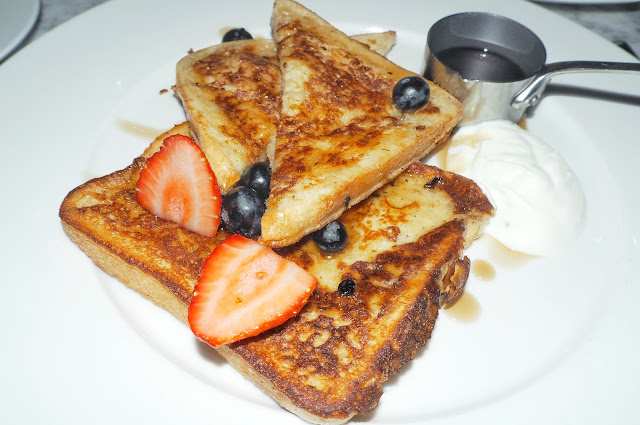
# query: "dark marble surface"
(56, 12)
(619, 23)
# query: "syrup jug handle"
(532, 93)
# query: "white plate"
(557, 340)
(16, 20)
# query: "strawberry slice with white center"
(178, 185)
(244, 289)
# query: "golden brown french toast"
(404, 256)
(231, 94)
(340, 136)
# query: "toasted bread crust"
(231, 94)
(338, 376)
(328, 363)
(340, 136)
(104, 219)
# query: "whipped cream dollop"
(539, 201)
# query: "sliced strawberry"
(179, 185)
(245, 289)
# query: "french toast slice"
(231, 95)
(341, 136)
(404, 255)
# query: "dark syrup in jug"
(480, 64)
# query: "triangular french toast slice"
(341, 136)
(231, 95)
(404, 259)
(404, 256)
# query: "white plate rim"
(114, 327)
(24, 15)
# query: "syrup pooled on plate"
(464, 309)
(481, 64)
(483, 270)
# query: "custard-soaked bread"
(404, 257)
(231, 94)
(340, 136)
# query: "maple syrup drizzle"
(465, 309)
(140, 130)
(506, 257)
(483, 270)
(440, 152)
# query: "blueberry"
(236, 34)
(347, 287)
(242, 210)
(258, 177)
(433, 182)
(411, 93)
(331, 238)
